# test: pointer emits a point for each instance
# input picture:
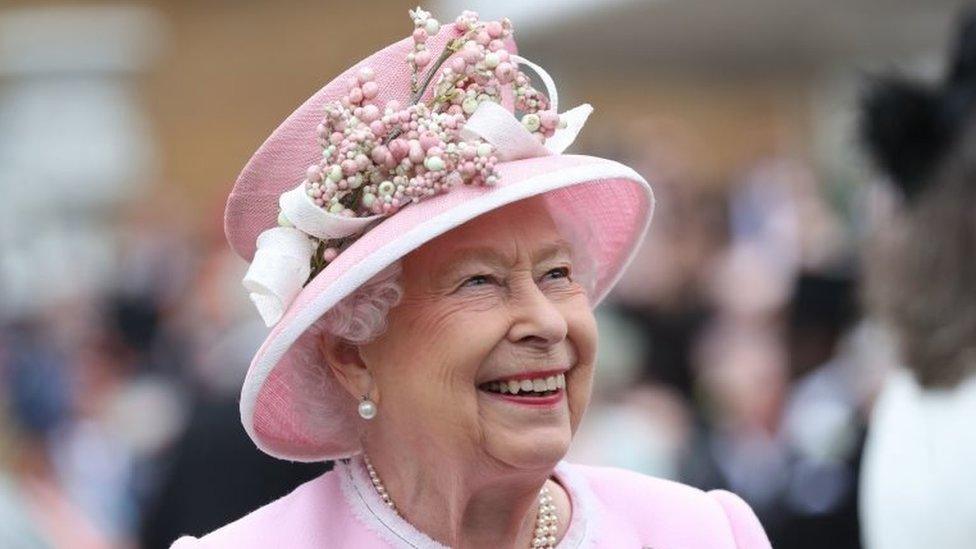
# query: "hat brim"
(612, 199)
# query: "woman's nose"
(536, 319)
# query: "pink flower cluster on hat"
(376, 160)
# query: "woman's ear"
(346, 363)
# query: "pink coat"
(612, 508)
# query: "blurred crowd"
(116, 404)
(738, 350)
(735, 354)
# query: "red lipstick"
(540, 401)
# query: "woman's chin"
(526, 435)
(535, 449)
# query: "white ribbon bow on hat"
(282, 262)
(512, 141)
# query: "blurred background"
(735, 353)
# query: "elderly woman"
(430, 282)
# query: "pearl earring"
(367, 408)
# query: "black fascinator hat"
(908, 126)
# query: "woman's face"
(487, 308)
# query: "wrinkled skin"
(487, 300)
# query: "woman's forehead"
(500, 234)
(506, 251)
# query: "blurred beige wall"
(230, 71)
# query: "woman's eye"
(477, 280)
(557, 273)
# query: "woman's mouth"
(537, 390)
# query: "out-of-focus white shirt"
(918, 485)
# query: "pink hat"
(317, 221)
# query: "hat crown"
(282, 161)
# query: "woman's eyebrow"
(489, 256)
(555, 248)
(466, 257)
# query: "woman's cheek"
(582, 330)
(583, 337)
(477, 299)
(579, 382)
(467, 329)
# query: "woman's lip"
(529, 400)
(529, 375)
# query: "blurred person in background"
(776, 419)
(918, 481)
(662, 295)
(39, 503)
(786, 439)
(208, 472)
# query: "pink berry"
(313, 173)
(366, 74)
(429, 140)
(416, 152)
(370, 90)
(370, 113)
(458, 64)
(471, 53)
(482, 38)
(505, 72)
(377, 127)
(419, 35)
(549, 119)
(399, 148)
(349, 167)
(494, 29)
(355, 95)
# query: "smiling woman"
(491, 300)
(431, 282)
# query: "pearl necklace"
(546, 522)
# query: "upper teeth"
(537, 385)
